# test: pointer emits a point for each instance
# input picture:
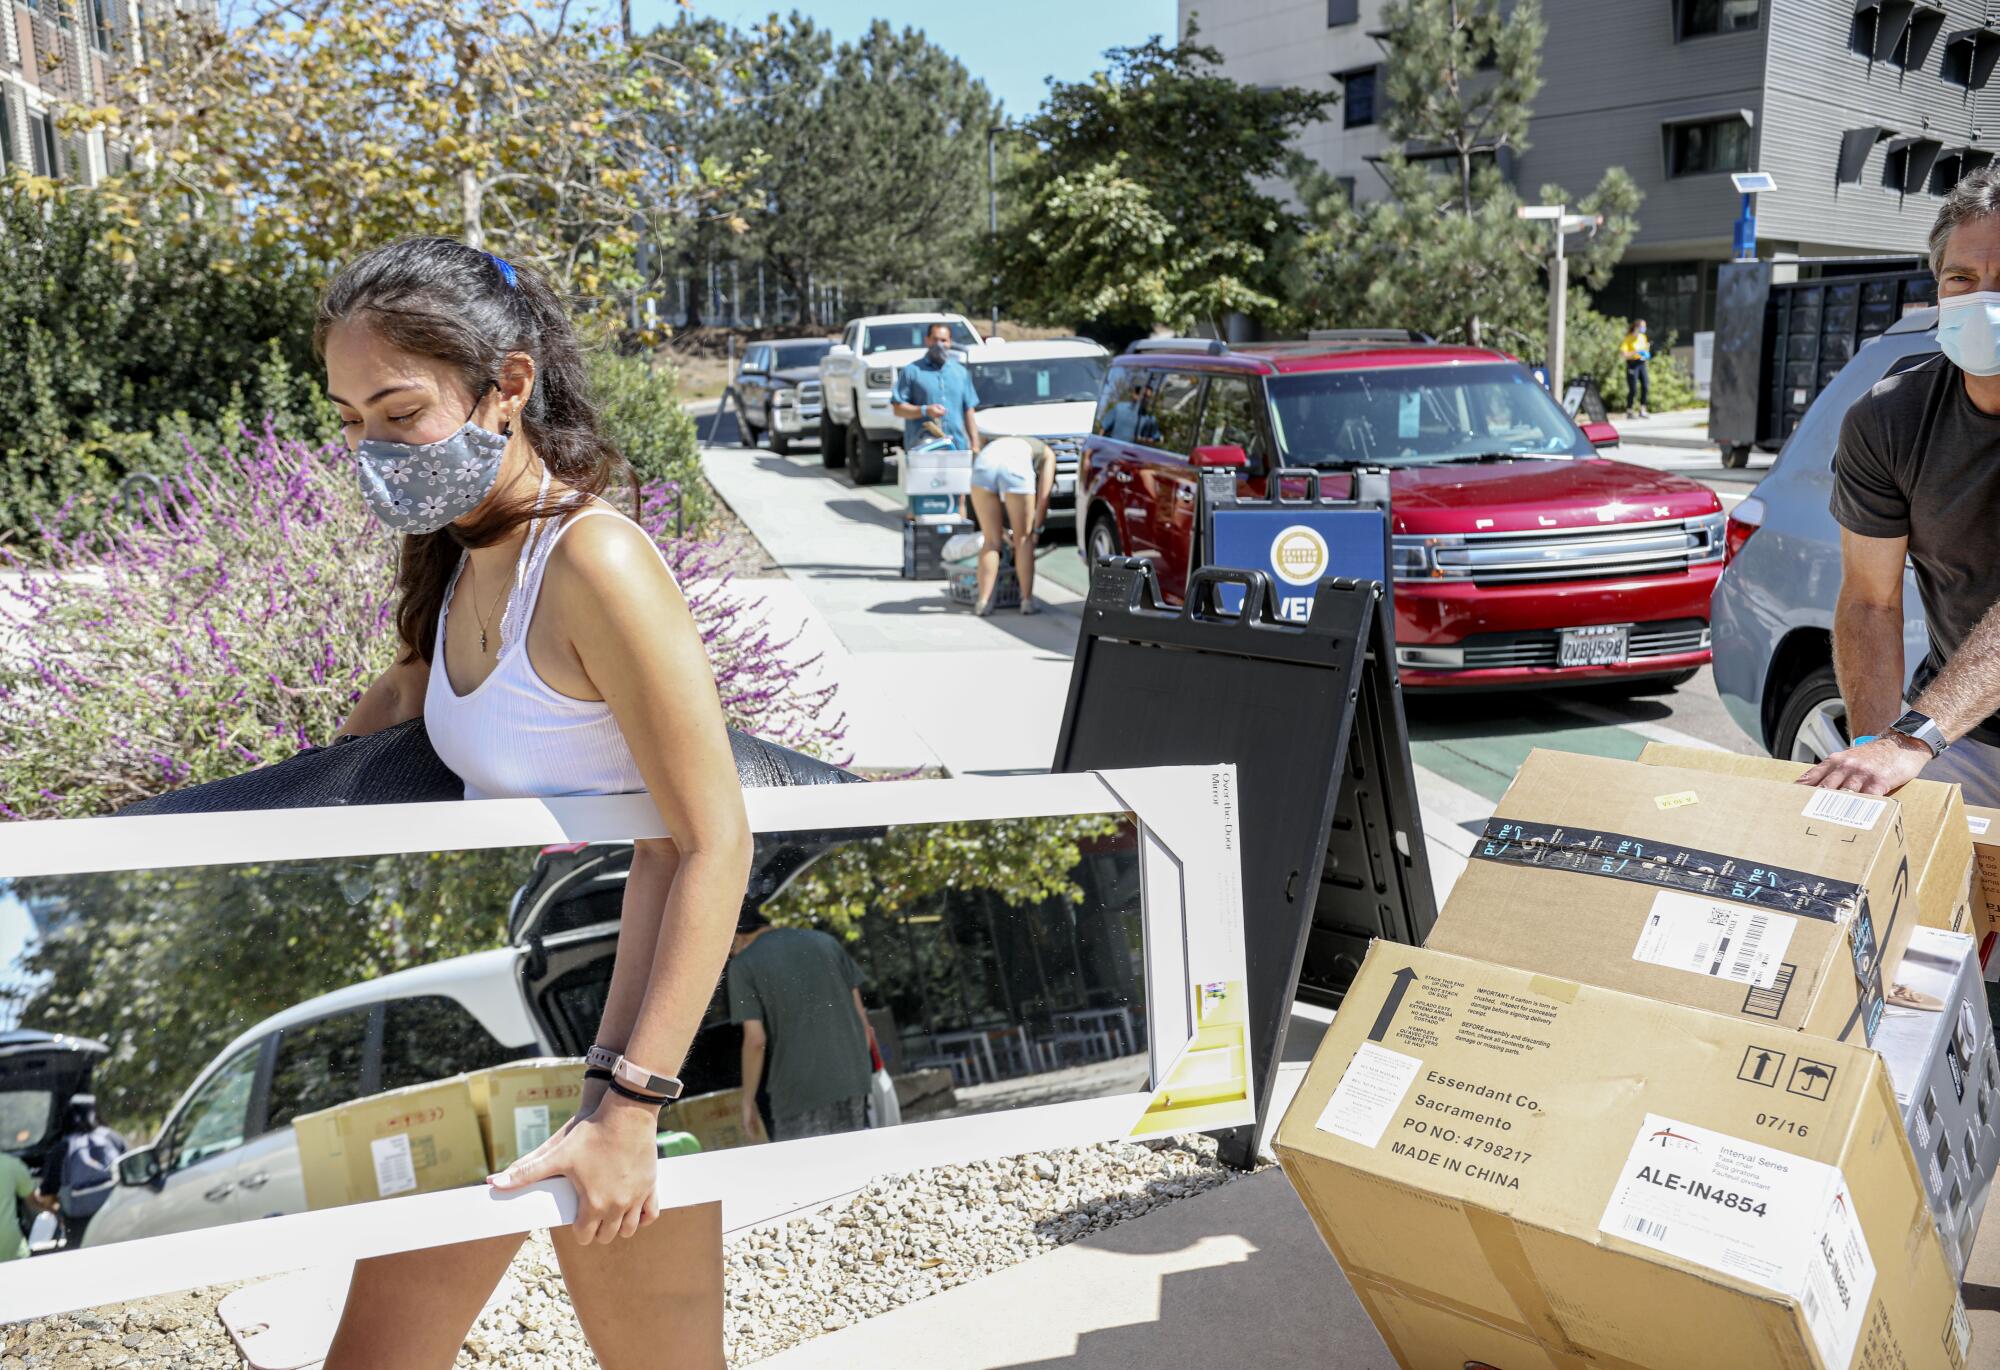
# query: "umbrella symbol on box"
(1811, 1079)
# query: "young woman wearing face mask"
(550, 652)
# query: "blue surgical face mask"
(421, 487)
(1969, 331)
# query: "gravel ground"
(898, 1241)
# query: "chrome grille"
(1648, 641)
(808, 392)
(1627, 549)
(1068, 449)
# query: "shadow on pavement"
(866, 511)
(1205, 1315)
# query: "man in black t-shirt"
(1917, 473)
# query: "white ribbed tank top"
(512, 735)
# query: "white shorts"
(1006, 466)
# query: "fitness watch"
(1923, 728)
(600, 1058)
(637, 1077)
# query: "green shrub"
(641, 409)
(125, 337)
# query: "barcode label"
(395, 1171)
(1811, 1302)
(1849, 810)
(1977, 824)
(1646, 1227)
(1720, 940)
(531, 1127)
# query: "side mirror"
(1220, 458)
(141, 1167)
(1601, 434)
(840, 350)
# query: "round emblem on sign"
(1299, 555)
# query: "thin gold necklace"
(496, 605)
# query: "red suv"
(1520, 556)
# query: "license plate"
(1604, 646)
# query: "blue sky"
(1011, 45)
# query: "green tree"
(333, 125)
(866, 161)
(167, 966)
(1160, 157)
(1445, 251)
(1021, 860)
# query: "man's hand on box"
(1881, 765)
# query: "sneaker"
(1028, 606)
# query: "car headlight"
(1413, 556)
(1709, 542)
(881, 377)
(785, 399)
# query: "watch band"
(1923, 728)
(635, 1076)
(600, 1058)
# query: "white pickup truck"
(856, 424)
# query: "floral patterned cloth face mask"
(420, 487)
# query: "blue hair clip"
(506, 271)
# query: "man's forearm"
(906, 411)
(1967, 690)
(753, 1067)
(1868, 661)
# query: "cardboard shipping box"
(1937, 1040)
(715, 1120)
(1522, 1171)
(1756, 898)
(523, 1103)
(1934, 828)
(407, 1141)
(1984, 826)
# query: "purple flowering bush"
(237, 617)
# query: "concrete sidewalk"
(1684, 428)
(922, 681)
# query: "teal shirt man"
(937, 387)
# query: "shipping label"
(1368, 1094)
(395, 1168)
(1846, 808)
(1708, 937)
(1763, 1215)
(531, 1127)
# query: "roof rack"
(1214, 347)
(1368, 335)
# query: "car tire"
(864, 456)
(781, 443)
(1101, 542)
(746, 432)
(1813, 723)
(832, 443)
(1736, 457)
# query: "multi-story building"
(1865, 112)
(53, 53)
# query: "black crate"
(923, 548)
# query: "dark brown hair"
(438, 298)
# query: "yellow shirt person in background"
(1637, 350)
(18, 1183)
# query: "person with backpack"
(82, 1168)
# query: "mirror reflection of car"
(777, 389)
(1520, 556)
(1042, 388)
(226, 1151)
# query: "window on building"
(1901, 34)
(1340, 12)
(42, 141)
(1357, 104)
(100, 18)
(1346, 185)
(1709, 145)
(9, 159)
(1970, 56)
(1699, 18)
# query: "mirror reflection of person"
(82, 1169)
(797, 995)
(1130, 419)
(17, 1179)
(544, 642)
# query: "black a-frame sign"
(1311, 715)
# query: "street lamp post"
(1749, 184)
(993, 215)
(1565, 224)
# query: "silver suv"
(1772, 613)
